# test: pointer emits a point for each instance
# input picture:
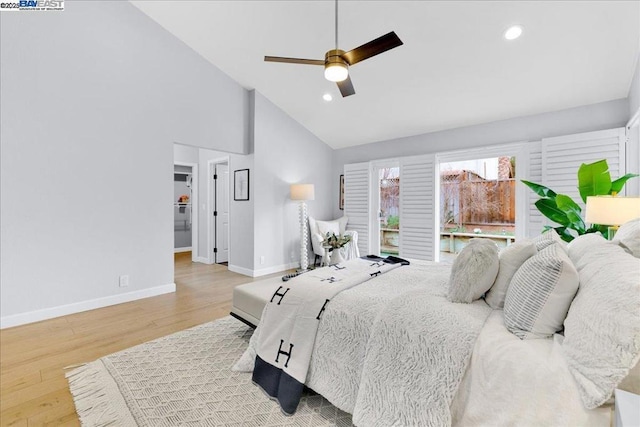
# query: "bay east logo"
(38, 5)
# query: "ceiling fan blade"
(294, 60)
(346, 87)
(373, 48)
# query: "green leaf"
(549, 209)
(620, 182)
(594, 179)
(572, 211)
(540, 190)
(564, 234)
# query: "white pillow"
(602, 329)
(547, 238)
(540, 294)
(342, 221)
(474, 271)
(331, 227)
(628, 236)
(582, 245)
(511, 258)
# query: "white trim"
(179, 250)
(263, 271)
(194, 205)
(210, 165)
(203, 260)
(63, 310)
(241, 270)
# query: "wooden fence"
(478, 202)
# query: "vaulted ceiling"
(455, 68)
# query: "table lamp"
(612, 211)
(302, 193)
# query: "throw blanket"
(290, 321)
(393, 352)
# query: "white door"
(221, 213)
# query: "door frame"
(194, 207)
(210, 256)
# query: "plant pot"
(336, 257)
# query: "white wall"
(606, 115)
(92, 100)
(285, 153)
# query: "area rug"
(185, 379)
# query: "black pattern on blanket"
(290, 321)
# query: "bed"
(376, 345)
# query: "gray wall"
(587, 118)
(92, 100)
(634, 90)
(286, 153)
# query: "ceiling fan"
(336, 61)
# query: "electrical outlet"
(123, 281)
(262, 260)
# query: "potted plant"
(593, 180)
(332, 242)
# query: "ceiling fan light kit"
(336, 69)
(337, 61)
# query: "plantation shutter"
(356, 202)
(562, 156)
(535, 222)
(417, 207)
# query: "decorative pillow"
(628, 236)
(540, 294)
(474, 271)
(547, 238)
(582, 245)
(325, 227)
(602, 329)
(342, 222)
(511, 258)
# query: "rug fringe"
(97, 397)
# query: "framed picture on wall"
(341, 203)
(241, 185)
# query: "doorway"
(185, 217)
(386, 197)
(478, 197)
(218, 247)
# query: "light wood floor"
(33, 389)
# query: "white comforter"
(513, 382)
(506, 382)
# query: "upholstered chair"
(319, 229)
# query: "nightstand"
(627, 410)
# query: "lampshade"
(610, 210)
(302, 192)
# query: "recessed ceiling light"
(513, 32)
(327, 97)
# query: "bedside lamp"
(612, 211)
(302, 193)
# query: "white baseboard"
(178, 250)
(202, 259)
(63, 310)
(263, 271)
(241, 270)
